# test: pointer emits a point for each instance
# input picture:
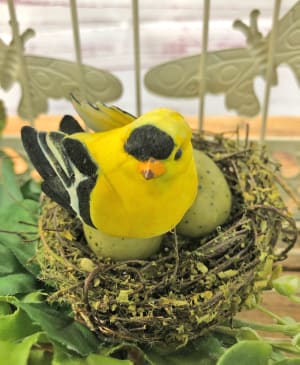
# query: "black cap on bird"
(148, 144)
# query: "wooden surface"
(281, 126)
(288, 127)
(280, 305)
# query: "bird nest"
(189, 286)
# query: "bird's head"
(160, 141)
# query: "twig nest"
(190, 284)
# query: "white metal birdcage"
(119, 36)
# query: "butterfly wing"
(53, 78)
(8, 65)
(231, 72)
(288, 41)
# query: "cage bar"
(137, 55)
(77, 46)
(202, 65)
(269, 71)
(22, 62)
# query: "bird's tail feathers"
(70, 125)
(100, 117)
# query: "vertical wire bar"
(270, 70)
(137, 53)
(20, 51)
(202, 65)
(77, 45)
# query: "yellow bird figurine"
(136, 179)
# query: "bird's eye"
(178, 154)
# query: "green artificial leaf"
(13, 278)
(277, 356)
(9, 187)
(8, 262)
(17, 353)
(31, 190)
(18, 231)
(247, 333)
(39, 324)
(178, 358)
(226, 339)
(295, 361)
(34, 297)
(126, 350)
(205, 351)
(296, 341)
(5, 308)
(38, 356)
(287, 285)
(247, 353)
(60, 328)
(14, 322)
(63, 358)
(18, 224)
(288, 320)
(17, 283)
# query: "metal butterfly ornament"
(232, 71)
(50, 78)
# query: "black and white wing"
(68, 171)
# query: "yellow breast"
(123, 203)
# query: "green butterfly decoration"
(232, 71)
(51, 78)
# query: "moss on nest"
(191, 284)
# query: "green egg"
(120, 248)
(212, 205)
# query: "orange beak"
(151, 168)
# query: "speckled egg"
(120, 248)
(212, 205)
